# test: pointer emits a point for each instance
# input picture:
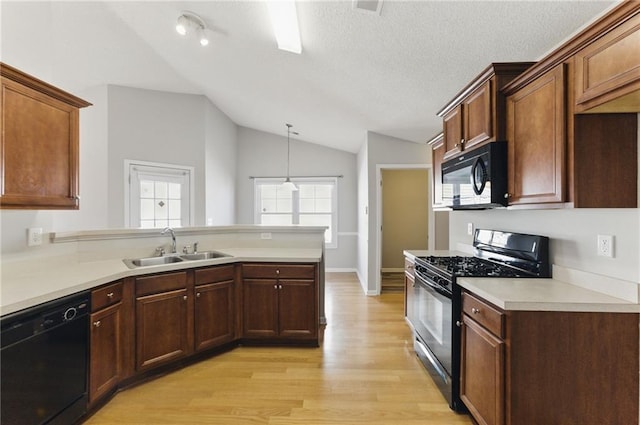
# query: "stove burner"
(472, 266)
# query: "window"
(313, 204)
(157, 195)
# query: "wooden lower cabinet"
(280, 302)
(541, 368)
(105, 351)
(164, 330)
(110, 336)
(214, 307)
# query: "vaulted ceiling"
(358, 71)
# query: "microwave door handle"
(478, 166)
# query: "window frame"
(295, 207)
(132, 167)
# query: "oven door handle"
(434, 286)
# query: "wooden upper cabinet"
(39, 150)
(478, 125)
(607, 71)
(536, 135)
(453, 132)
(476, 115)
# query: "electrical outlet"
(265, 235)
(469, 229)
(605, 246)
(34, 236)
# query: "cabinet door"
(260, 316)
(161, 328)
(477, 109)
(105, 351)
(214, 314)
(482, 373)
(297, 309)
(536, 122)
(452, 131)
(608, 71)
(39, 150)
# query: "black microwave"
(477, 179)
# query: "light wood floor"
(365, 372)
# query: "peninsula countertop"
(28, 283)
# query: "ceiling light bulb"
(202, 36)
(181, 26)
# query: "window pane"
(162, 223)
(306, 190)
(324, 191)
(323, 205)
(307, 205)
(161, 189)
(268, 205)
(147, 224)
(174, 210)
(146, 209)
(282, 192)
(146, 189)
(175, 223)
(283, 205)
(161, 209)
(174, 191)
(277, 219)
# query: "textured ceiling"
(357, 72)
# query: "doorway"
(405, 220)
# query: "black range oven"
(438, 302)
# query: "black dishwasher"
(44, 363)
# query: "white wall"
(220, 166)
(383, 149)
(263, 154)
(573, 234)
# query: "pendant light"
(288, 184)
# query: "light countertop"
(31, 282)
(580, 295)
(544, 295)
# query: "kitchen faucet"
(173, 238)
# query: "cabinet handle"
(475, 310)
(198, 295)
(110, 295)
(410, 267)
(461, 142)
(458, 323)
(275, 286)
(97, 324)
(507, 195)
(278, 271)
(184, 297)
(279, 286)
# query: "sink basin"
(157, 261)
(204, 255)
(151, 261)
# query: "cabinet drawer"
(279, 271)
(483, 313)
(214, 274)
(160, 283)
(106, 296)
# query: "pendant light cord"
(289, 147)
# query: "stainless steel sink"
(204, 255)
(151, 261)
(132, 263)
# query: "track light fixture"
(190, 22)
